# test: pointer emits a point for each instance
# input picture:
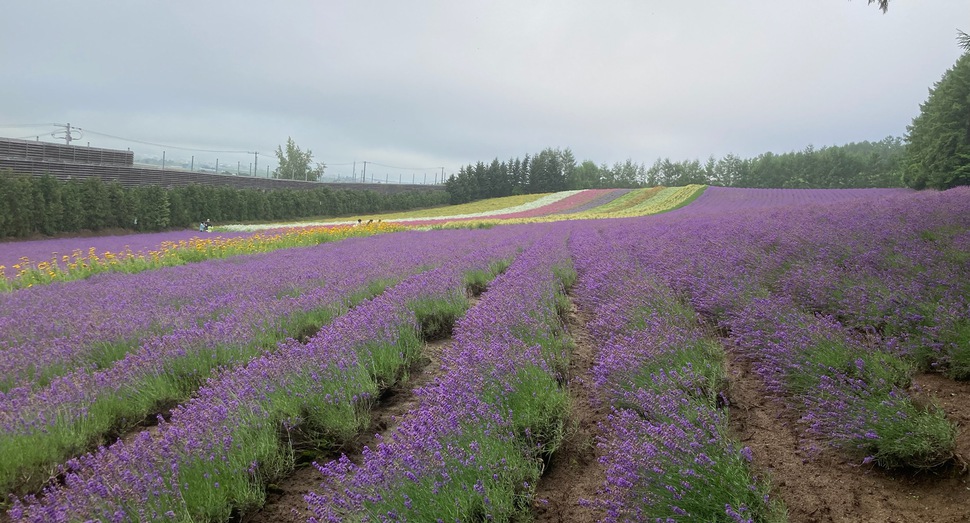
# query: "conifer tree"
(938, 140)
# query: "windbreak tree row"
(45, 205)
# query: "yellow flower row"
(80, 265)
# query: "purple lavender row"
(52, 330)
(216, 452)
(722, 200)
(469, 451)
(39, 428)
(890, 274)
(666, 447)
(892, 265)
(850, 395)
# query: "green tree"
(586, 175)
(938, 140)
(295, 164)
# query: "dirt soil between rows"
(284, 500)
(823, 486)
(574, 472)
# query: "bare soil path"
(574, 472)
(284, 500)
(824, 487)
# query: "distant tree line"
(864, 164)
(45, 205)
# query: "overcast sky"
(444, 83)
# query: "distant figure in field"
(370, 222)
(359, 222)
(201, 226)
(204, 226)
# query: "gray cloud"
(446, 83)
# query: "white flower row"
(535, 204)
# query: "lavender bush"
(41, 428)
(885, 268)
(666, 446)
(217, 451)
(470, 450)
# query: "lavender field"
(759, 355)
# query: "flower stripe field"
(470, 451)
(666, 445)
(272, 296)
(217, 451)
(501, 204)
(598, 199)
(30, 263)
(490, 207)
(582, 204)
(629, 199)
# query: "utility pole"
(68, 133)
(442, 175)
(255, 162)
(354, 172)
(192, 168)
(364, 178)
(163, 157)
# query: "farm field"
(29, 263)
(665, 354)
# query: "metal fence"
(69, 162)
(11, 148)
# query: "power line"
(407, 168)
(28, 125)
(31, 136)
(167, 146)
